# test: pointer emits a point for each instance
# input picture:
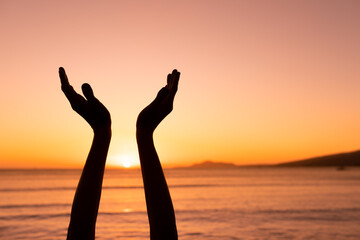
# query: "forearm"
(86, 201)
(160, 209)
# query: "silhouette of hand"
(152, 115)
(91, 109)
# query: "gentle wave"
(73, 188)
(294, 214)
(36, 189)
(11, 206)
(287, 211)
(104, 187)
(34, 216)
(309, 214)
(59, 215)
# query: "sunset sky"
(261, 81)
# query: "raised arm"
(87, 197)
(159, 205)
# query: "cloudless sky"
(261, 81)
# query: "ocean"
(221, 204)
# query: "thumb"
(161, 95)
(88, 92)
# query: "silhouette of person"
(87, 196)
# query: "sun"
(125, 161)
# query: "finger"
(63, 78)
(173, 83)
(88, 92)
(68, 90)
(169, 76)
(161, 95)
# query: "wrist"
(103, 133)
(142, 132)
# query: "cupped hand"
(90, 108)
(152, 115)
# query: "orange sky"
(261, 81)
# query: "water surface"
(223, 204)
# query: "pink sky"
(261, 81)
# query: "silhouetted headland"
(349, 159)
(211, 164)
(339, 160)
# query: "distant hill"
(349, 159)
(211, 164)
